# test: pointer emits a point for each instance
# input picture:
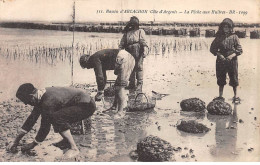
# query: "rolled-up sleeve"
(32, 119)
(143, 40)
(238, 47)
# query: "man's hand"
(230, 57)
(99, 96)
(28, 146)
(146, 51)
(221, 57)
(116, 71)
(12, 147)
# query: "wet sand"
(182, 75)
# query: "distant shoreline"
(123, 23)
(151, 28)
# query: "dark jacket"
(101, 61)
(53, 100)
(226, 44)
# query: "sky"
(86, 10)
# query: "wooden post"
(72, 55)
(83, 127)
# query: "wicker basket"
(141, 106)
(110, 91)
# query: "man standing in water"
(123, 64)
(59, 107)
(135, 43)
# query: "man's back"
(105, 57)
(58, 97)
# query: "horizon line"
(23, 21)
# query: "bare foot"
(119, 115)
(236, 100)
(71, 153)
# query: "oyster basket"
(110, 91)
(141, 106)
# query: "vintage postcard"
(129, 81)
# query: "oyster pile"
(154, 149)
(193, 104)
(192, 126)
(219, 107)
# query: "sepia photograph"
(129, 81)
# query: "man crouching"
(59, 107)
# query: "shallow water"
(182, 75)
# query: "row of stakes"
(52, 54)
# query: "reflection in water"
(110, 139)
(128, 131)
(105, 136)
(196, 115)
(225, 135)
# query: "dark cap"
(134, 20)
(227, 21)
(24, 91)
(83, 60)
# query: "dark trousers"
(224, 68)
(62, 119)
